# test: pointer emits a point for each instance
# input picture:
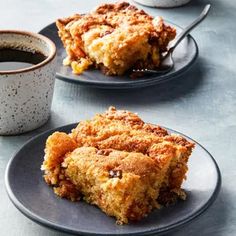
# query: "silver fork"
(167, 62)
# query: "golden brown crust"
(124, 130)
(118, 145)
(57, 145)
(114, 38)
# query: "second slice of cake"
(123, 184)
(114, 38)
(118, 162)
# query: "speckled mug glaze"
(26, 94)
(163, 3)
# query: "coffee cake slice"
(123, 184)
(114, 38)
(118, 162)
(126, 131)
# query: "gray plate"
(35, 199)
(184, 56)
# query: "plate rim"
(134, 84)
(44, 222)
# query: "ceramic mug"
(163, 3)
(26, 94)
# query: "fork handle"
(182, 35)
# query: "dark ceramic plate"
(184, 56)
(35, 199)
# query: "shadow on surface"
(14, 142)
(197, 3)
(170, 90)
(212, 222)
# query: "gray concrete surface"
(201, 103)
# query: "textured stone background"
(201, 104)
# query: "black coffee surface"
(12, 59)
